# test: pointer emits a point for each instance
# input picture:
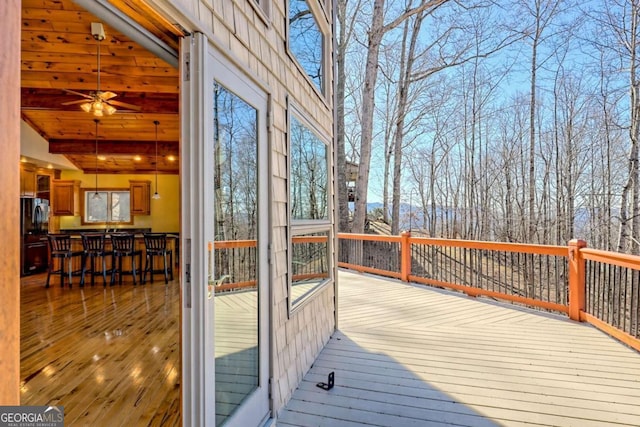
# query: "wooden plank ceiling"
(59, 52)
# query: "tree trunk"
(341, 178)
(406, 68)
(368, 101)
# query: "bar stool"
(94, 247)
(123, 245)
(156, 245)
(60, 248)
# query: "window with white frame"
(104, 206)
(306, 39)
(311, 228)
(263, 7)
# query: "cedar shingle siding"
(256, 41)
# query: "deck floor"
(407, 355)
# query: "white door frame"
(201, 65)
(197, 405)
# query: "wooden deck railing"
(602, 288)
(236, 261)
(598, 287)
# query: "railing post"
(405, 256)
(577, 285)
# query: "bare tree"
(345, 33)
(542, 13)
(463, 34)
(376, 33)
(616, 37)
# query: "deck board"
(411, 355)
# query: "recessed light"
(103, 158)
(137, 158)
(49, 166)
(171, 158)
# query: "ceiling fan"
(99, 103)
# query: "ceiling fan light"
(98, 106)
(109, 109)
(86, 107)
(98, 113)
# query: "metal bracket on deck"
(329, 384)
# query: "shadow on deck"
(409, 355)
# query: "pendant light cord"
(156, 194)
(98, 41)
(96, 195)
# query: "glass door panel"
(237, 344)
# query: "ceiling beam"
(52, 99)
(73, 146)
(118, 20)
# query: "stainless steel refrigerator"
(34, 221)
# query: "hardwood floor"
(110, 356)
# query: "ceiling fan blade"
(105, 96)
(73, 92)
(124, 105)
(79, 101)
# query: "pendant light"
(96, 195)
(156, 196)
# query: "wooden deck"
(236, 347)
(407, 355)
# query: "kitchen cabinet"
(65, 198)
(36, 181)
(140, 193)
(27, 180)
(43, 186)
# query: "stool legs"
(146, 268)
(61, 270)
(133, 267)
(70, 271)
(104, 271)
(49, 271)
(118, 269)
(167, 268)
(84, 269)
(92, 270)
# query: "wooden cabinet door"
(43, 186)
(27, 181)
(65, 198)
(140, 197)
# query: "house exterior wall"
(255, 41)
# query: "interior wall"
(165, 211)
(35, 147)
(9, 203)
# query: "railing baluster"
(635, 304)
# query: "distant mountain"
(407, 211)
